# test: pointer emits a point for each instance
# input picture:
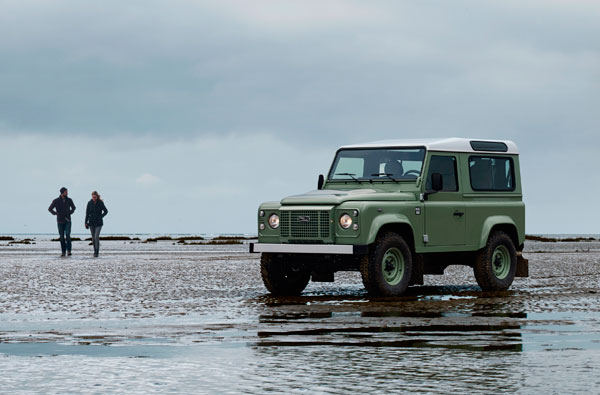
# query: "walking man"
(63, 207)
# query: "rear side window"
(446, 166)
(491, 173)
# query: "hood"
(332, 196)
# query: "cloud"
(301, 70)
(289, 16)
(147, 180)
(207, 185)
(247, 101)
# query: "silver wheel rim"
(393, 266)
(501, 262)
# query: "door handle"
(458, 213)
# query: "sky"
(186, 115)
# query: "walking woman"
(96, 210)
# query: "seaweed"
(556, 240)
(24, 241)
(224, 238)
(7, 238)
(210, 242)
(224, 242)
(159, 238)
(113, 238)
(188, 238)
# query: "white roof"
(452, 144)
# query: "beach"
(165, 316)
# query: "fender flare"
(492, 221)
(387, 219)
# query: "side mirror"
(437, 182)
(320, 182)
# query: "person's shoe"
(95, 255)
(63, 254)
(69, 253)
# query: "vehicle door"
(445, 222)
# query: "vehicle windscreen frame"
(372, 179)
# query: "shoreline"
(13, 240)
(154, 237)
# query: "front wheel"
(388, 268)
(283, 276)
(496, 263)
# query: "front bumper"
(309, 248)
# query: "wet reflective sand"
(163, 317)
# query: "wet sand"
(161, 317)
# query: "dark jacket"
(95, 212)
(62, 208)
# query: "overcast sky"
(186, 115)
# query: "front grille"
(305, 224)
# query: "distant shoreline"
(179, 239)
(151, 234)
(190, 238)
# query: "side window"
(491, 173)
(446, 166)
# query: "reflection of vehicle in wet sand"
(427, 319)
(397, 210)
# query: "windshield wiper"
(388, 175)
(350, 175)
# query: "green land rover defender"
(396, 210)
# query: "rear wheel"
(282, 276)
(496, 263)
(388, 269)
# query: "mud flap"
(418, 270)
(322, 277)
(522, 266)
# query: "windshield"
(380, 164)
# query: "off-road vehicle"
(396, 210)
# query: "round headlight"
(345, 221)
(274, 221)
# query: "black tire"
(283, 277)
(385, 278)
(496, 264)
